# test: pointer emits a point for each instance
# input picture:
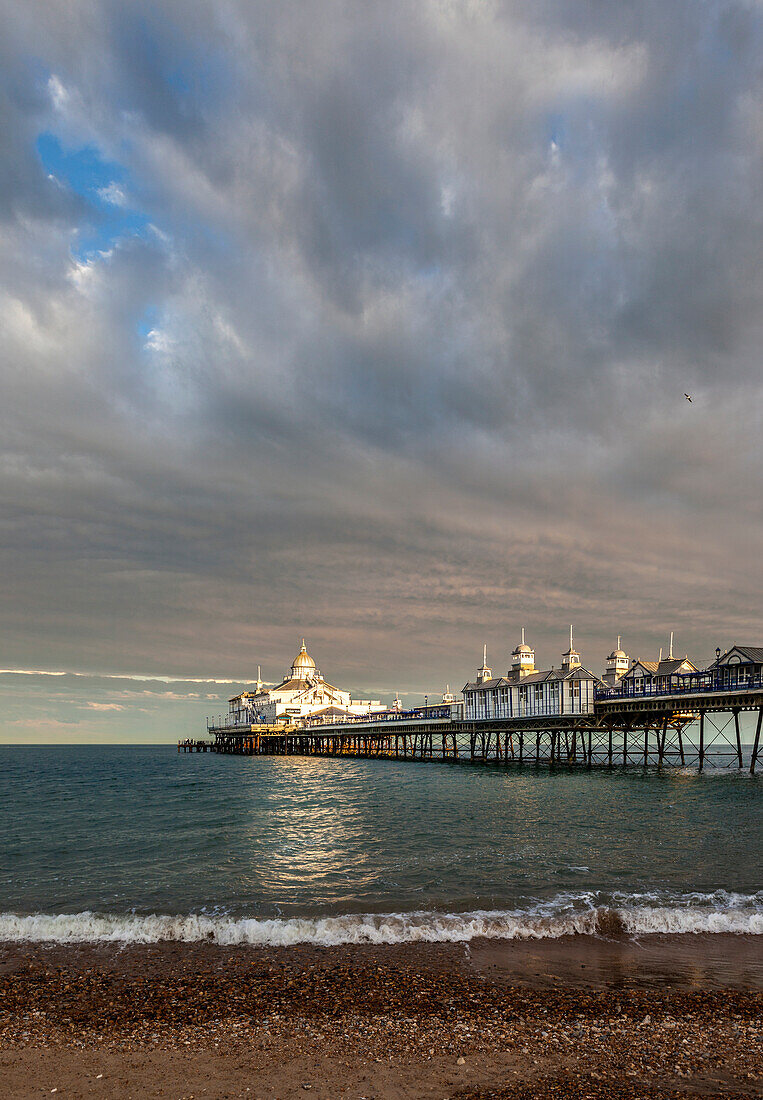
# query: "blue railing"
(686, 683)
(435, 711)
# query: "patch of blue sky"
(148, 321)
(109, 214)
(556, 129)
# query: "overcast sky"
(371, 323)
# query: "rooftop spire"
(570, 659)
(484, 673)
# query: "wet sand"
(582, 1016)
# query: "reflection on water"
(146, 830)
(296, 845)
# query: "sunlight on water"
(269, 849)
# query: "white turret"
(570, 659)
(484, 673)
(522, 659)
(618, 663)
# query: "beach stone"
(460, 1061)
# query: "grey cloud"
(428, 284)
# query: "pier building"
(659, 675)
(526, 692)
(739, 665)
(303, 693)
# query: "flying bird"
(688, 398)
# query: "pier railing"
(686, 683)
(437, 713)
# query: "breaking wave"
(631, 915)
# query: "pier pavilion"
(303, 693)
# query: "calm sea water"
(143, 843)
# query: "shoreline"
(635, 915)
(657, 1015)
(716, 960)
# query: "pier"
(694, 724)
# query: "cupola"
(618, 663)
(570, 659)
(523, 658)
(303, 667)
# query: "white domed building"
(301, 694)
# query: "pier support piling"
(756, 743)
(739, 738)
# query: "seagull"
(688, 398)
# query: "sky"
(370, 324)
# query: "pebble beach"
(663, 1016)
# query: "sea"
(142, 844)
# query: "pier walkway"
(695, 725)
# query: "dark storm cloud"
(379, 334)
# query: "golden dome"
(303, 663)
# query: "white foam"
(694, 914)
(661, 919)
